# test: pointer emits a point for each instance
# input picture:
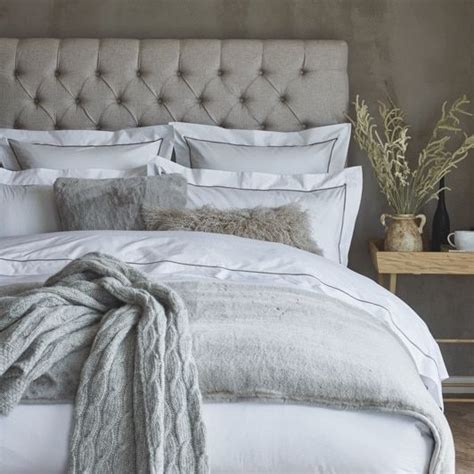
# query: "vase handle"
(382, 219)
(422, 218)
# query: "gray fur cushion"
(285, 224)
(115, 204)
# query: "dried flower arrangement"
(407, 188)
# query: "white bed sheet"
(245, 438)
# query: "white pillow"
(26, 210)
(317, 150)
(121, 149)
(332, 201)
(34, 155)
(49, 176)
(27, 203)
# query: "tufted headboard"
(121, 83)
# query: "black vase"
(441, 226)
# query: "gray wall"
(419, 51)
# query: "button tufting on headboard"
(74, 82)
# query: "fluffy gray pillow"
(285, 224)
(115, 204)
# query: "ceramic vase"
(403, 232)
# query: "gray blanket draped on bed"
(248, 341)
(138, 405)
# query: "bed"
(112, 84)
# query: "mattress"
(245, 438)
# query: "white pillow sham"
(34, 155)
(27, 203)
(332, 201)
(316, 150)
(49, 176)
(121, 149)
(26, 210)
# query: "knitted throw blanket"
(249, 341)
(138, 404)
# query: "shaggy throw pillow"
(285, 224)
(115, 204)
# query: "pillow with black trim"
(62, 149)
(331, 200)
(315, 150)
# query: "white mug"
(463, 240)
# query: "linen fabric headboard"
(121, 83)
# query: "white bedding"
(245, 438)
(283, 438)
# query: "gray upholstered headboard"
(122, 83)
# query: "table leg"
(393, 283)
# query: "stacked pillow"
(83, 199)
(331, 201)
(27, 198)
(123, 149)
(246, 169)
(34, 160)
(287, 187)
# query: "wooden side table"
(392, 264)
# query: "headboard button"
(119, 101)
(17, 73)
(242, 99)
(57, 73)
(57, 126)
(283, 99)
(36, 101)
(262, 126)
(160, 100)
(98, 73)
(77, 100)
(139, 73)
(200, 100)
(179, 73)
(304, 126)
(302, 72)
(261, 72)
(98, 126)
(220, 72)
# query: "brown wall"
(419, 51)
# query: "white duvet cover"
(264, 437)
(245, 438)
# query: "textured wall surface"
(421, 52)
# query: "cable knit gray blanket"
(248, 341)
(138, 406)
